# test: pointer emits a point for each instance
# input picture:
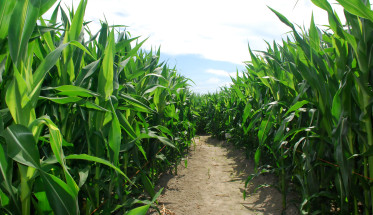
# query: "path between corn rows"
(213, 183)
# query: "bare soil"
(214, 181)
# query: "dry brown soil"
(213, 183)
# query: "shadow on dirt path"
(213, 183)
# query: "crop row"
(87, 120)
(303, 110)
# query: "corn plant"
(304, 113)
(84, 117)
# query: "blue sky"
(207, 40)
(208, 75)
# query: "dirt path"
(213, 183)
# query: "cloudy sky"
(207, 40)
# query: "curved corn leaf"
(126, 125)
(60, 196)
(98, 160)
(63, 100)
(86, 72)
(49, 61)
(21, 145)
(45, 6)
(73, 91)
(137, 103)
(139, 211)
(296, 106)
(56, 142)
(358, 8)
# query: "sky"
(207, 40)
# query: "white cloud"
(223, 73)
(218, 30)
(225, 84)
(213, 81)
(218, 72)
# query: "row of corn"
(88, 120)
(303, 111)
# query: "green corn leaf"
(136, 74)
(358, 8)
(72, 35)
(105, 82)
(129, 203)
(139, 147)
(2, 69)
(254, 121)
(164, 130)
(6, 9)
(124, 43)
(4, 203)
(21, 145)
(114, 137)
(139, 211)
(163, 140)
(324, 4)
(155, 197)
(126, 125)
(13, 100)
(56, 142)
(367, 153)
(166, 141)
(257, 156)
(74, 91)
(63, 100)
(6, 170)
(80, 46)
(42, 205)
(154, 75)
(247, 111)
(77, 22)
(134, 50)
(137, 103)
(296, 106)
(55, 138)
(83, 176)
(337, 106)
(87, 72)
(45, 6)
(91, 105)
(98, 160)
(152, 89)
(64, 18)
(149, 188)
(314, 35)
(236, 88)
(21, 26)
(102, 40)
(264, 128)
(60, 196)
(49, 61)
(282, 18)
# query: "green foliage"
(303, 110)
(83, 117)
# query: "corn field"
(303, 111)
(88, 120)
